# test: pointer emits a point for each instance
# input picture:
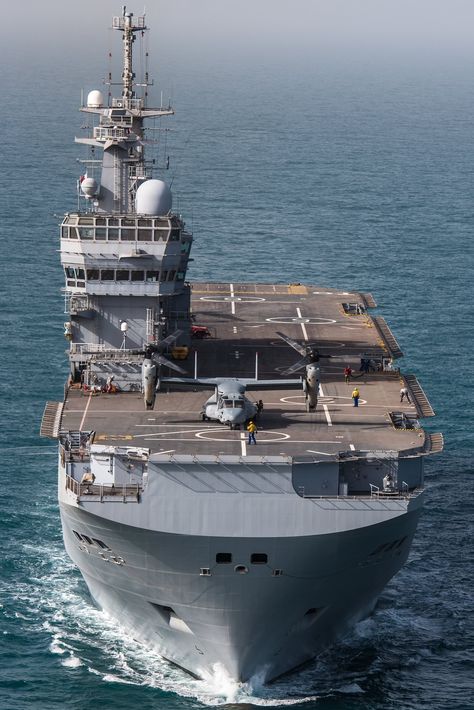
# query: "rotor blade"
(296, 366)
(293, 343)
(170, 338)
(167, 363)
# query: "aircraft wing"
(271, 384)
(204, 382)
(249, 384)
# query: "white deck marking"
(193, 426)
(85, 412)
(328, 416)
(352, 447)
(303, 327)
(321, 453)
(243, 444)
(232, 304)
(172, 433)
(325, 407)
(168, 451)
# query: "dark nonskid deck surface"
(243, 320)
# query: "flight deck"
(243, 320)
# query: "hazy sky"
(338, 25)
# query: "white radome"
(95, 99)
(153, 197)
(89, 187)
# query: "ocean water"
(339, 174)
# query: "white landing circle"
(228, 435)
(232, 299)
(301, 400)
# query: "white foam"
(63, 609)
(72, 662)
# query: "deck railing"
(126, 493)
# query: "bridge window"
(152, 275)
(113, 235)
(107, 275)
(128, 235)
(100, 235)
(171, 275)
(144, 235)
(138, 275)
(180, 276)
(92, 274)
(86, 233)
(122, 275)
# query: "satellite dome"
(89, 187)
(95, 99)
(153, 197)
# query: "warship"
(221, 549)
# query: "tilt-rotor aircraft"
(228, 404)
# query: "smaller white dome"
(89, 187)
(153, 197)
(95, 99)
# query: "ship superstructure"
(214, 551)
(125, 253)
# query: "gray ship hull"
(250, 624)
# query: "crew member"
(252, 430)
(404, 393)
(355, 396)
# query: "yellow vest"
(356, 393)
(252, 428)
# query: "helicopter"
(228, 404)
(310, 360)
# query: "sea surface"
(355, 175)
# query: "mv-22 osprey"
(229, 405)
